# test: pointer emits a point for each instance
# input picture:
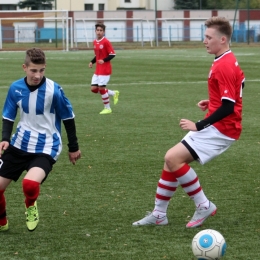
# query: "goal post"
(42, 28)
(120, 31)
(180, 29)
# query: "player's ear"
(223, 39)
(24, 67)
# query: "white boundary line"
(143, 83)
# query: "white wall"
(162, 4)
(9, 2)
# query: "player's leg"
(204, 146)
(114, 94)
(11, 167)
(102, 82)
(105, 97)
(31, 190)
(38, 170)
(3, 218)
(166, 187)
(94, 84)
(94, 89)
(189, 181)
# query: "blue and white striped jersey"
(41, 112)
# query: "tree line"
(215, 4)
(178, 4)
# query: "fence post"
(156, 32)
(142, 34)
(1, 41)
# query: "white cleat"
(201, 214)
(150, 219)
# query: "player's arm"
(74, 152)
(93, 60)
(223, 111)
(109, 57)
(7, 128)
(70, 128)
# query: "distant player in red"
(207, 138)
(104, 53)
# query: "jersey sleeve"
(110, 48)
(63, 107)
(227, 81)
(10, 106)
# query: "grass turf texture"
(86, 210)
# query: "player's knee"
(94, 89)
(168, 160)
(171, 161)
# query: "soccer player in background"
(104, 53)
(207, 138)
(36, 144)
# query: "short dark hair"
(221, 24)
(100, 25)
(34, 55)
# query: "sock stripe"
(168, 176)
(182, 171)
(162, 186)
(185, 185)
(192, 193)
(161, 197)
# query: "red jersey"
(102, 49)
(225, 82)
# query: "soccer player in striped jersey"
(104, 53)
(208, 137)
(36, 144)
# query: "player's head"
(221, 24)
(34, 55)
(100, 30)
(217, 35)
(34, 66)
(101, 25)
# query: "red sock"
(31, 190)
(95, 90)
(189, 181)
(105, 96)
(166, 187)
(3, 219)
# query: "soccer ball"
(208, 244)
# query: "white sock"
(204, 204)
(159, 214)
(110, 92)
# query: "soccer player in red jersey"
(207, 138)
(104, 53)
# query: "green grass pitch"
(86, 210)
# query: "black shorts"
(14, 161)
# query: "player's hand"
(90, 65)
(186, 124)
(3, 146)
(203, 104)
(100, 61)
(73, 157)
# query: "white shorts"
(100, 80)
(208, 143)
